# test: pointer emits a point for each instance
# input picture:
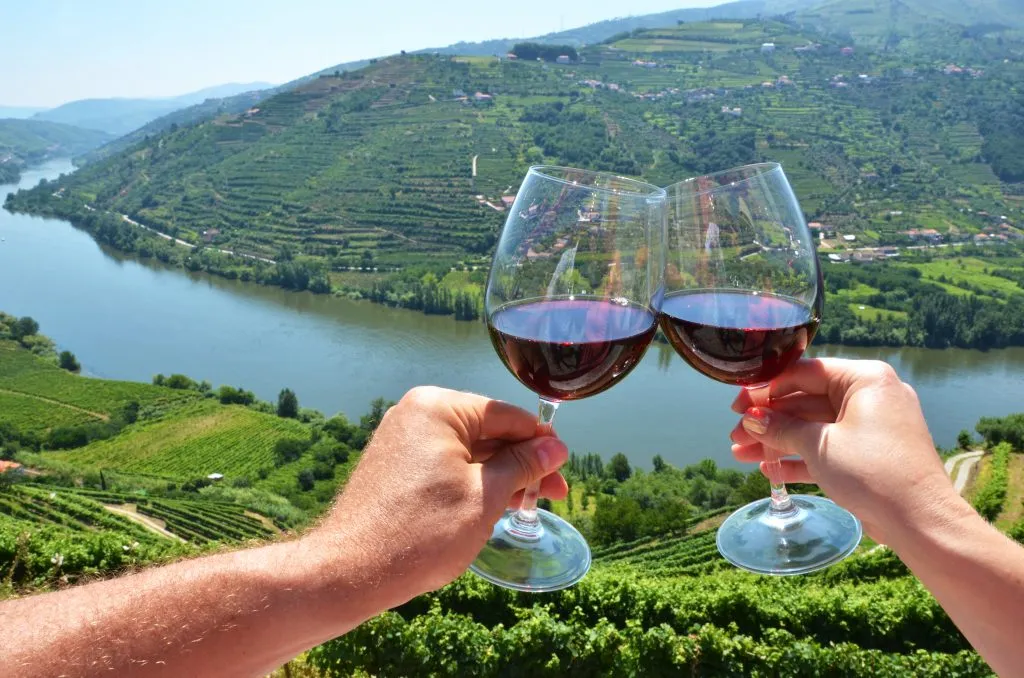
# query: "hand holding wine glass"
(744, 300)
(571, 305)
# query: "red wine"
(567, 349)
(738, 337)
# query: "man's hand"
(439, 472)
(858, 431)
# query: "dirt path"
(130, 512)
(474, 165)
(98, 415)
(267, 522)
(963, 463)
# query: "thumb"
(783, 433)
(517, 465)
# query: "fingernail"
(756, 421)
(552, 453)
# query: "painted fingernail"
(756, 421)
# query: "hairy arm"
(241, 613)
(440, 471)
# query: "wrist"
(929, 518)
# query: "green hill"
(913, 25)
(27, 142)
(36, 395)
(191, 442)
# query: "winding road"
(963, 471)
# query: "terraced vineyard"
(192, 442)
(45, 388)
(690, 555)
(44, 505)
(198, 522)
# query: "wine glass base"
(556, 559)
(816, 534)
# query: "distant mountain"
(20, 112)
(26, 142)
(602, 30)
(120, 116)
(589, 34)
(904, 23)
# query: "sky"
(54, 51)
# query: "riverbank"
(131, 318)
(936, 298)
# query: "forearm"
(241, 613)
(975, 572)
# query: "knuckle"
(881, 372)
(422, 397)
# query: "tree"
(659, 463)
(306, 479)
(288, 450)
(963, 439)
(619, 468)
(24, 327)
(370, 422)
(69, 362)
(287, 404)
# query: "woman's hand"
(857, 431)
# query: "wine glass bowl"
(744, 298)
(572, 305)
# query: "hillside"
(120, 116)
(584, 35)
(600, 31)
(27, 142)
(912, 25)
(363, 182)
(119, 473)
(327, 169)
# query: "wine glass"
(744, 300)
(572, 304)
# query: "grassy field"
(192, 442)
(967, 274)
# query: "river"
(129, 319)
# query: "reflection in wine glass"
(572, 303)
(745, 297)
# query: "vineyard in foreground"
(858, 620)
(663, 604)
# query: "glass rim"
(548, 172)
(757, 169)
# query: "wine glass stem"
(525, 521)
(781, 503)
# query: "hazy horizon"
(66, 51)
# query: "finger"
(801, 405)
(783, 433)
(748, 454)
(793, 471)
(478, 417)
(553, 486)
(520, 464)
